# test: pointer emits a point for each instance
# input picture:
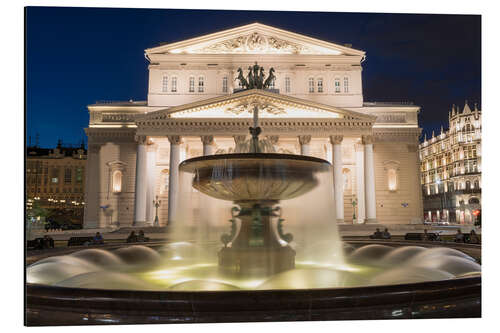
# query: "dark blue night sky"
(77, 56)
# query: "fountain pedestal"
(257, 247)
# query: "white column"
(208, 144)
(370, 200)
(151, 179)
(338, 179)
(173, 182)
(141, 181)
(305, 145)
(239, 143)
(360, 183)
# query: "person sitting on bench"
(377, 234)
(386, 234)
(459, 237)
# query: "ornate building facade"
(451, 168)
(55, 178)
(195, 107)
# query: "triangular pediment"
(255, 38)
(270, 105)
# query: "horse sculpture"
(243, 81)
(270, 78)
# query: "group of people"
(472, 238)
(381, 234)
(133, 238)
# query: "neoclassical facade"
(196, 107)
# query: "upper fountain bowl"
(254, 176)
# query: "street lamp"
(157, 204)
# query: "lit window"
(117, 181)
(191, 84)
(311, 85)
(55, 180)
(224, 84)
(79, 175)
(287, 84)
(392, 168)
(346, 84)
(174, 83)
(164, 84)
(337, 85)
(320, 85)
(201, 84)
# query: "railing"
(388, 103)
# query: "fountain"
(255, 270)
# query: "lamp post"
(157, 204)
(354, 202)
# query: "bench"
(79, 241)
(431, 236)
(40, 244)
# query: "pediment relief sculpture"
(256, 43)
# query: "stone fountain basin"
(254, 176)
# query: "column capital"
(304, 139)
(336, 139)
(367, 139)
(174, 139)
(207, 139)
(141, 139)
(273, 138)
(239, 138)
(94, 148)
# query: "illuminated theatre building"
(196, 107)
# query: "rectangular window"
(164, 84)
(67, 176)
(201, 84)
(346, 84)
(79, 175)
(320, 85)
(337, 85)
(55, 180)
(224, 84)
(174, 84)
(311, 85)
(287, 84)
(191, 84)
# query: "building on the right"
(451, 169)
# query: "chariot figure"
(270, 78)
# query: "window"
(191, 84)
(67, 176)
(392, 169)
(174, 83)
(55, 180)
(287, 84)
(337, 85)
(224, 84)
(201, 84)
(79, 175)
(117, 181)
(320, 85)
(164, 87)
(164, 181)
(346, 84)
(311, 85)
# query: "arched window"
(476, 184)
(117, 181)
(337, 85)
(287, 85)
(320, 85)
(164, 84)
(346, 173)
(224, 84)
(473, 201)
(201, 84)
(191, 84)
(164, 181)
(174, 83)
(311, 85)
(467, 185)
(392, 169)
(346, 84)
